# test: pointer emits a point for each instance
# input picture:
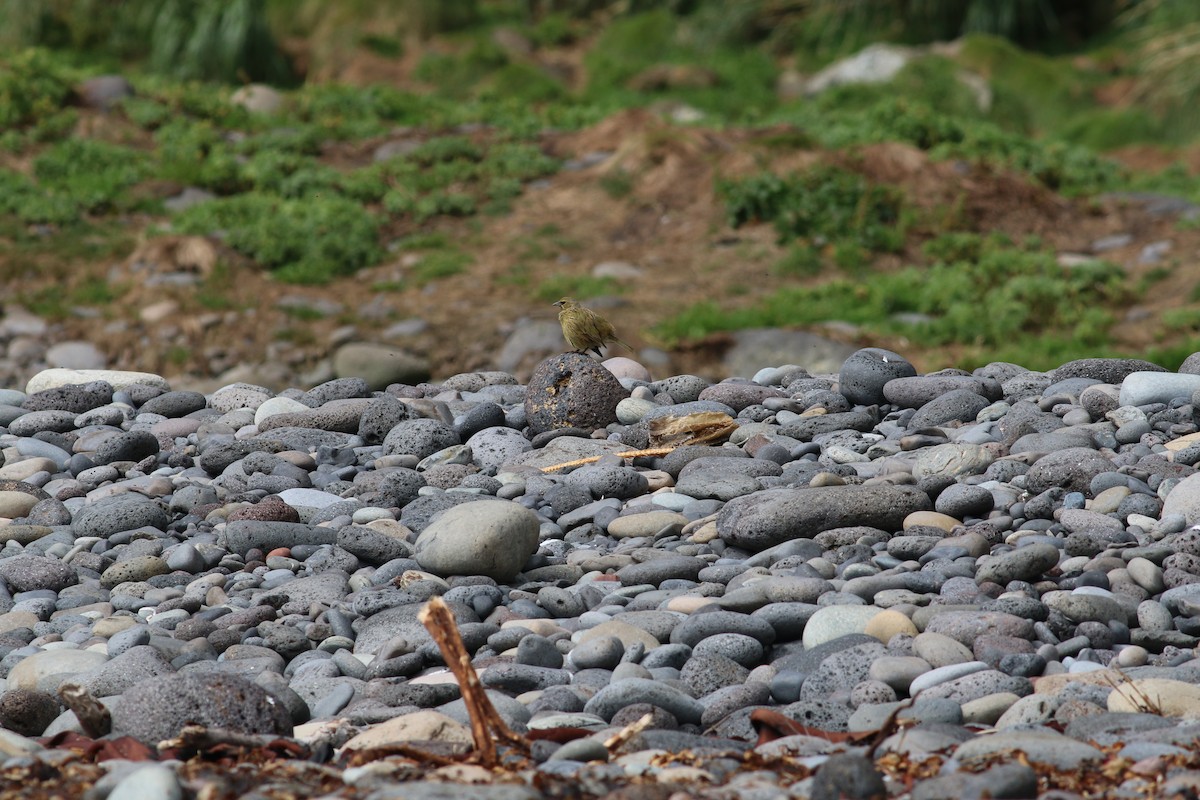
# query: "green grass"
(580, 287)
(743, 85)
(617, 183)
(439, 264)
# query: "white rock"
(53, 378)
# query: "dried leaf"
(559, 735)
(772, 725)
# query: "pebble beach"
(952, 585)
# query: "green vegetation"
(71, 179)
(226, 41)
(580, 287)
(340, 175)
(304, 241)
(33, 85)
(1035, 308)
(441, 264)
(823, 204)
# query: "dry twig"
(201, 738)
(486, 725)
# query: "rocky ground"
(863, 583)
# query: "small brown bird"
(584, 329)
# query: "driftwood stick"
(486, 725)
(579, 462)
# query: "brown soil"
(670, 224)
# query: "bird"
(584, 329)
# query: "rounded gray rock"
(866, 372)
(957, 405)
(1072, 469)
(1028, 563)
(773, 516)
(612, 698)
(960, 500)
(918, 390)
(682, 388)
(1105, 370)
(487, 537)
(497, 446)
(419, 437)
(28, 573)
(127, 446)
(175, 404)
(609, 480)
(379, 417)
(75, 398)
(120, 513)
(745, 650)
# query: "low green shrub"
(826, 202)
(196, 152)
(91, 173)
(311, 240)
(33, 85)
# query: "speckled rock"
(866, 372)
(571, 391)
(157, 709)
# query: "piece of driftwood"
(670, 433)
(93, 717)
(487, 728)
(618, 739)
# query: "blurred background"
(285, 191)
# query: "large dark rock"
(805, 428)
(767, 518)
(572, 391)
(27, 712)
(157, 709)
(1072, 469)
(961, 405)
(76, 397)
(865, 372)
(1105, 370)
